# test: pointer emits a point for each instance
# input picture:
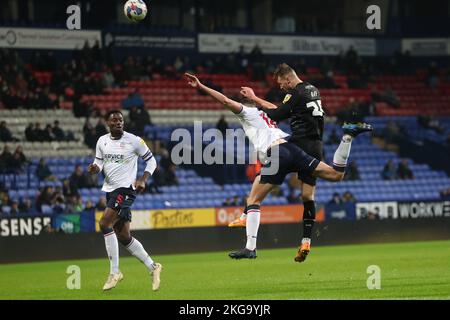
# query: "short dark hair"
(111, 112)
(282, 70)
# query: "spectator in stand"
(227, 203)
(170, 176)
(445, 194)
(257, 63)
(447, 142)
(165, 162)
(403, 171)
(26, 206)
(48, 135)
(133, 99)
(428, 122)
(5, 133)
(101, 204)
(158, 180)
(242, 60)
(39, 134)
(237, 201)
(58, 133)
(59, 205)
(14, 208)
(348, 197)
(77, 180)
(91, 180)
(89, 206)
(336, 199)
(90, 138)
(388, 172)
(352, 172)
(139, 118)
(222, 125)
(29, 133)
(18, 160)
(4, 198)
(100, 128)
(432, 79)
(43, 172)
(6, 159)
(45, 198)
(73, 204)
(108, 79)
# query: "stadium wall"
(57, 246)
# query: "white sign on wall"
(27, 38)
(226, 43)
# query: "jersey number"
(317, 108)
(270, 122)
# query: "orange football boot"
(303, 251)
(238, 223)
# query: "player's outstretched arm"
(230, 104)
(250, 94)
(275, 113)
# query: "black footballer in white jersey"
(304, 108)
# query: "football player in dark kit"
(302, 105)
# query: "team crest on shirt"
(286, 98)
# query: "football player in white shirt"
(117, 155)
(278, 154)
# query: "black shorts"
(315, 149)
(290, 159)
(121, 200)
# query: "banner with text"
(427, 46)
(69, 223)
(269, 214)
(23, 226)
(169, 42)
(269, 44)
(27, 38)
(403, 210)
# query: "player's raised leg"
(240, 221)
(106, 223)
(335, 173)
(122, 229)
(258, 193)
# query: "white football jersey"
(260, 130)
(118, 158)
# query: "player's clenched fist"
(93, 168)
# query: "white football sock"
(342, 152)
(252, 226)
(137, 250)
(112, 248)
(306, 240)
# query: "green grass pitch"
(413, 270)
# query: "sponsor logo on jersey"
(287, 97)
(113, 158)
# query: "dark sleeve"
(284, 110)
